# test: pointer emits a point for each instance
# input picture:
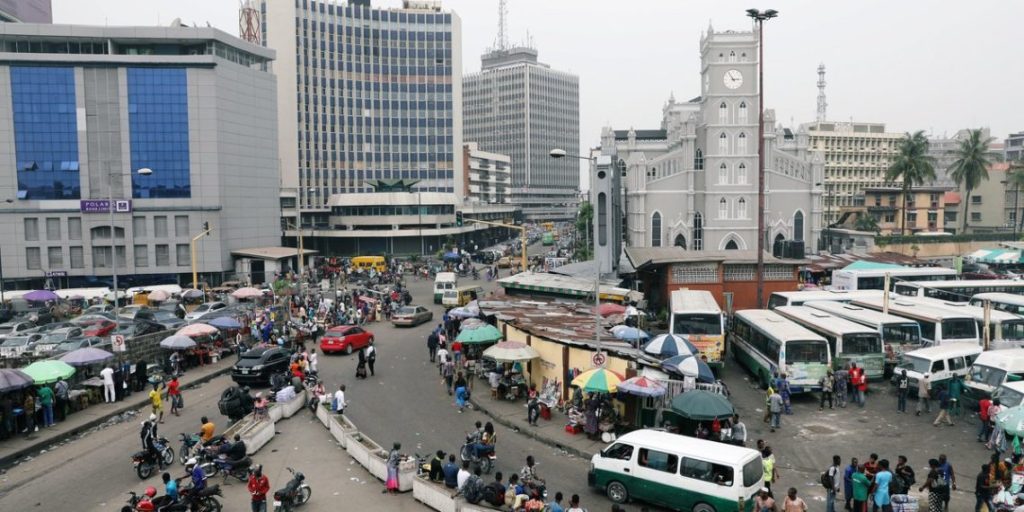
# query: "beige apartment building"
(926, 207)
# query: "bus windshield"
(696, 323)
(959, 329)
(862, 344)
(982, 374)
(902, 333)
(806, 352)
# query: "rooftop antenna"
(502, 42)
(822, 104)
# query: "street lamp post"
(145, 171)
(760, 17)
(8, 201)
(560, 153)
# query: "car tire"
(617, 492)
(703, 507)
(348, 349)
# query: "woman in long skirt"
(394, 457)
(935, 486)
(590, 414)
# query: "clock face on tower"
(733, 79)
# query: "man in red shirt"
(174, 395)
(983, 406)
(259, 486)
(859, 380)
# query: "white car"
(15, 346)
(15, 328)
(203, 310)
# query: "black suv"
(257, 365)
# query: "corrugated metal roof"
(645, 256)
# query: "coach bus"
(898, 334)
(874, 279)
(848, 342)
(799, 298)
(1008, 302)
(938, 325)
(1006, 330)
(697, 317)
(767, 343)
(958, 291)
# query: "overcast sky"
(935, 65)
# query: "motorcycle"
(296, 492)
(468, 453)
(238, 469)
(149, 502)
(188, 447)
(145, 464)
(204, 500)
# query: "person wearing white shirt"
(108, 384)
(339, 400)
(463, 475)
(313, 360)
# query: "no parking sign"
(117, 343)
(598, 359)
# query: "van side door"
(657, 477)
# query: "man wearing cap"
(923, 387)
(763, 502)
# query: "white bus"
(1008, 302)
(874, 279)
(898, 334)
(959, 290)
(768, 344)
(1006, 330)
(697, 317)
(938, 325)
(799, 298)
(848, 341)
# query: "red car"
(345, 338)
(99, 328)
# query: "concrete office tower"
(364, 94)
(83, 108)
(523, 108)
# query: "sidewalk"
(21, 445)
(551, 433)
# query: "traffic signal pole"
(522, 231)
(195, 278)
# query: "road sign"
(117, 343)
(598, 359)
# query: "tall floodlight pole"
(759, 18)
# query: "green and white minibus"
(799, 298)
(1006, 330)
(898, 334)
(767, 344)
(1008, 302)
(938, 325)
(849, 342)
(677, 472)
(697, 317)
(960, 290)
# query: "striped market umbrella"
(598, 380)
(642, 386)
(511, 351)
(669, 345)
(483, 334)
(689, 366)
(51, 370)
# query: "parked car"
(204, 309)
(99, 308)
(135, 311)
(50, 327)
(77, 343)
(411, 316)
(167, 319)
(345, 338)
(48, 343)
(131, 329)
(257, 365)
(99, 328)
(15, 346)
(15, 328)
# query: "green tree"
(911, 166)
(866, 222)
(971, 165)
(1015, 180)
(583, 230)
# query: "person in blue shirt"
(451, 473)
(170, 487)
(197, 475)
(556, 505)
(882, 480)
(848, 481)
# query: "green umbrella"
(45, 372)
(701, 405)
(1011, 420)
(483, 334)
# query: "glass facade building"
(158, 122)
(45, 132)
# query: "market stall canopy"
(701, 405)
(610, 308)
(40, 296)
(511, 351)
(177, 342)
(158, 295)
(86, 356)
(1003, 256)
(670, 345)
(483, 334)
(598, 380)
(873, 265)
(11, 379)
(471, 323)
(689, 366)
(225, 322)
(247, 292)
(46, 372)
(464, 312)
(110, 295)
(197, 329)
(642, 386)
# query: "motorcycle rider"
(528, 475)
(259, 486)
(196, 474)
(170, 487)
(234, 451)
(484, 445)
(148, 435)
(206, 431)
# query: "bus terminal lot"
(808, 439)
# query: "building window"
(698, 160)
(723, 113)
(912, 218)
(889, 217)
(723, 144)
(723, 174)
(680, 241)
(74, 228)
(139, 227)
(975, 199)
(45, 132)
(656, 230)
(798, 226)
(54, 258)
(741, 118)
(741, 174)
(160, 227)
(741, 144)
(77, 257)
(975, 216)
(31, 230)
(732, 56)
(32, 258)
(182, 255)
(101, 257)
(181, 225)
(741, 209)
(163, 255)
(698, 232)
(723, 209)
(52, 228)
(158, 122)
(141, 256)
(731, 245)
(602, 219)
(933, 216)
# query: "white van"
(940, 363)
(991, 370)
(678, 472)
(443, 282)
(1010, 394)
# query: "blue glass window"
(45, 132)
(158, 119)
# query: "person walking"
(313, 361)
(108, 384)
(923, 390)
(832, 473)
(460, 392)
(782, 387)
(432, 340)
(394, 459)
(827, 383)
(881, 486)
(934, 484)
(174, 395)
(944, 403)
(848, 483)
(442, 358)
(861, 484)
(948, 477)
(259, 486)
(775, 407)
(983, 431)
(46, 402)
(60, 390)
(371, 357)
(339, 400)
(902, 390)
(156, 400)
(739, 431)
(983, 488)
(842, 381)
(793, 503)
(771, 474)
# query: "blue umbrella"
(629, 333)
(689, 366)
(11, 379)
(668, 345)
(225, 322)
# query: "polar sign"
(103, 206)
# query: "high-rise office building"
(1013, 147)
(523, 108)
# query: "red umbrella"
(608, 308)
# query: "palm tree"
(971, 165)
(911, 166)
(1015, 179)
